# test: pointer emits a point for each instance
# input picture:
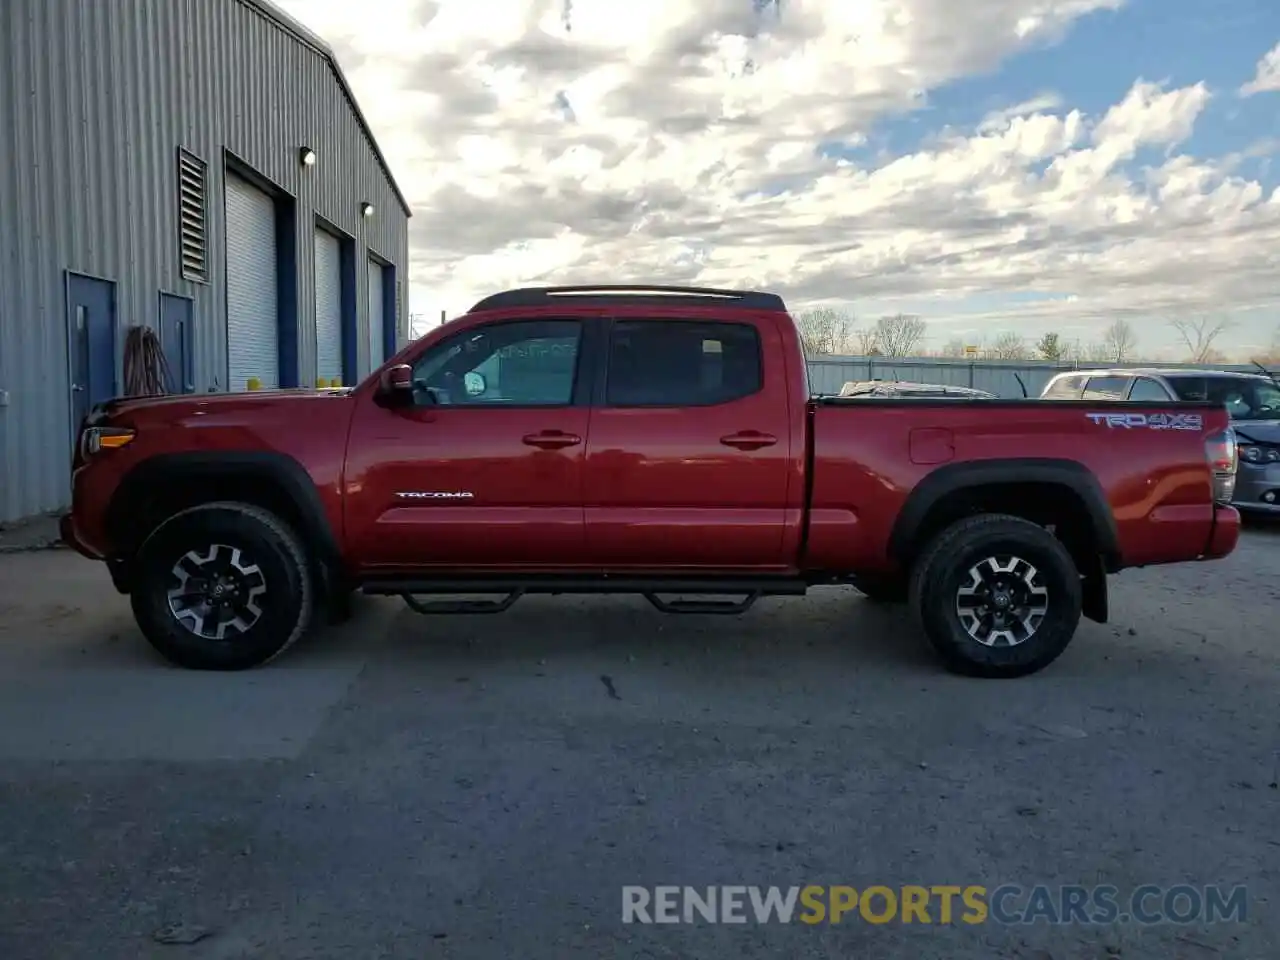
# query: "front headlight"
(96, 439)
(1250, 453)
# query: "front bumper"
(68, 534)
(1225, 535)
(1253, 483)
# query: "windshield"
(1244, 397)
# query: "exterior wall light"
(307, 157)
(366, 209)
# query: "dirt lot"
(484, 787)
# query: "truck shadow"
(840, 628)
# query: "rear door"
(690, 450)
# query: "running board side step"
(729, 607)
(429, 607)
(506, 590)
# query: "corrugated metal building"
(197, 166)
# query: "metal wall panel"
(328, 273)
(253, 293)
(95, 100)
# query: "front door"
(175, 340)
(91, 342)
(484, 469)
(690, 457)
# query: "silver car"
(1252, 400)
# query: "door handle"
(749, 440)
(551, 440)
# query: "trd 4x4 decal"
(1149, 421)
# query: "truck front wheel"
(222, 586)
(996, 596)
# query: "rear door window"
(682, 363)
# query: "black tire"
(945, 567)
(276, 562)
(886, 590)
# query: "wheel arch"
(1046, 490)
(156, 488)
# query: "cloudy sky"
(988, 164)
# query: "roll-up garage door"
(377, 319)
(328, 308)
(253, 323)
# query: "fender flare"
(268, 467)
(954, 478)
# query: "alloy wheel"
(216, 592)
(1004, 601)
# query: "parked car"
(658, 441)
(1252, 401)
(909, 390)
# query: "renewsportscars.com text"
(937, 904)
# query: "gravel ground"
(484, 787)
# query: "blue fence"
(828, 374)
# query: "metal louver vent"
(191, 217)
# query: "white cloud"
(999, 118)
(592, 140)
(1266, 78)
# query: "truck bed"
(871, 459)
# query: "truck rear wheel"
(223, 586)
(996, 596)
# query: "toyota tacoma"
(659, 441)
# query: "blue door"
(91, 339)
(175, 339)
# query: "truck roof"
(629, 293)
(908, 388)
(1157, 372)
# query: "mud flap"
(1094, 591)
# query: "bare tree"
(952, 348)
(1120, 340)
(1051, 347)
(1269, 358)
(867, 341)
(900, 334)
(1199, 334)
(1008, 346)
(1096, 352)
(824, 331)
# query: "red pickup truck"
(660, 441)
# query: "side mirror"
(395, 384)
(475, 384)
